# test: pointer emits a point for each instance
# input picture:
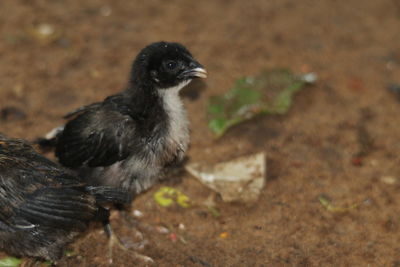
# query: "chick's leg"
(114, 240)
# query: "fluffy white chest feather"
(178, 122)
(178, 133)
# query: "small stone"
(45, 33)
(310, 77)
(105, 11)
(137, 213)
(162, 230)
(388, 180)
(373, 162)
(45, 29)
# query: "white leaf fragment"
(241, 179)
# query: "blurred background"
(333, 173)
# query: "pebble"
(137, 213)
(388, 180)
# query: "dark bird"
(42, 206)
(128, 139)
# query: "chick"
(127, 140)
(42, 206)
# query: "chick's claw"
(126, 245)
(113, 240)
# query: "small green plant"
(270, 92)
(10, 262)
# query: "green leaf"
(214, 211)
(271, 92)
(326, 203)
(166, 196)
(10, 262)
(70, 253)
(218, 125)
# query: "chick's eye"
(171, 65)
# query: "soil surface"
(339, 141)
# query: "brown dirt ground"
(352, 45)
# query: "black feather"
(42, 206)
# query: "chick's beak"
(199, 72)
(195, 71)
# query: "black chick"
(42, 206)
(128, 139)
